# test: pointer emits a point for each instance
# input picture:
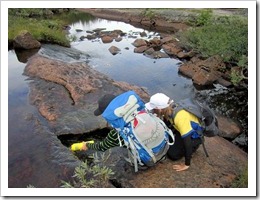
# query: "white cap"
(158, 101)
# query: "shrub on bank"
(224, 36)
(95, 176)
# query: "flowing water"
(28, 159)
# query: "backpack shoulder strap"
(189, 105)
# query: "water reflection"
(16, 81)
(101, 23)
(24, 55)
(157, 75)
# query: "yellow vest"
(182, 122)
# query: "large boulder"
(204, 72)
(66, 94)
(25, 41)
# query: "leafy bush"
(203, 18)
(226, 37)
(223, 36)
(86, 176)
(236, 77)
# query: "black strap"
(200, 132)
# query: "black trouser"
(177, 150)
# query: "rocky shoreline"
(66, 94)
(203, 72)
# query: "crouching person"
(186, 124)
(142, 133)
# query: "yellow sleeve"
(182, 122)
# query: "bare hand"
(180, 167)
(84, 146)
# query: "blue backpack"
(145, 135)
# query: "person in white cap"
(187, 139)
(158, 101)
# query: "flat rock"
(225, 162)
(66, 94)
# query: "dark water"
(30, 162)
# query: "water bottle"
(78, 146)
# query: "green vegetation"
(42, 30)
(39, 23)
(148, 13)
(86, 176)
(204, 18)
(224, 36)
(241, 181)
(74, 16)
(45, 25)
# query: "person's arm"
(110, 141)
(188, 149)
(183, 123)
(188, 154)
